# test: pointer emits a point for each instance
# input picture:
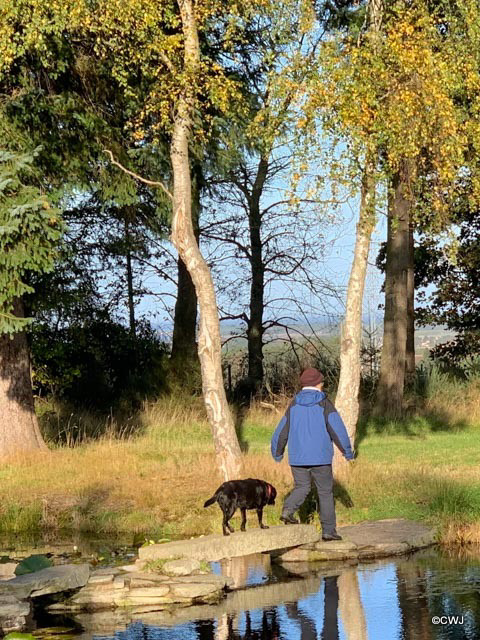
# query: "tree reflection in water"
(393, 600)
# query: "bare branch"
(151, 183)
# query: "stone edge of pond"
(365, 541)
(181, 581)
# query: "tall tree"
(410, 364)
(395, 324)
(184, 355)
(30, 229)
(346, 399)
(394, 94)
(183, 237)
(261, 158)
(427, 168)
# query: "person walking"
(310, 426)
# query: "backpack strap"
(329, 408)
(287, 412)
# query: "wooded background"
(211, 145)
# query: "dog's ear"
(272, 493)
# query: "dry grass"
(154, 484)
(457, 403)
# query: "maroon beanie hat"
(311, 377)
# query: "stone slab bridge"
(297, 543)
(179, 579)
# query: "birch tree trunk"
(391, 383)
(346, 401)
(183, 237)
(18, 423)
(351, 608)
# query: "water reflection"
(393, 600)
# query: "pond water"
(432, 595)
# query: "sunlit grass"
(154, 484)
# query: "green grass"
(154, 486)
(441, 449)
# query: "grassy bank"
(154, 484)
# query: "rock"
(181, 567)
(128, 567)
(339, 550)
(215, 547)
(141, 582)
(378, 533)
(7, 570)
(109, 571)
(149, 576)
(193, 590)
(13, 613)
(384, 550)
(106, 578)
(119, 582)
(136, 590)
(366, 540)
(87, 599)
(150, 592)
(51, 580)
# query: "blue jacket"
(310, 426)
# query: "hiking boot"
(289, 519)
(328, 537)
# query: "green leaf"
(32, 564)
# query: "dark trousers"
(322, 476)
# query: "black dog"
(243, 495)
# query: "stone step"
(215, 547)
(50, 580)
(366, 540)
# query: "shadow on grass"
(64, 424)
(239, 410)
(91, 508)
(411, 425)
(306, 513)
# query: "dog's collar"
(269, 490)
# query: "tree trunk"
(255, 321)
(184, 356)
(391, 383)
(184, 343)
(413, 602)
(131, 301)
(351, 608)
(346, 400)
(18, 423)
(183, 237)
(410, 354)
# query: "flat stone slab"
(7, 570)
(13, 613)
(143, 590)
(374, 539)
(104, 623)
(390, 535)
(50, 580)
(215, 547)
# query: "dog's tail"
(211, 500)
